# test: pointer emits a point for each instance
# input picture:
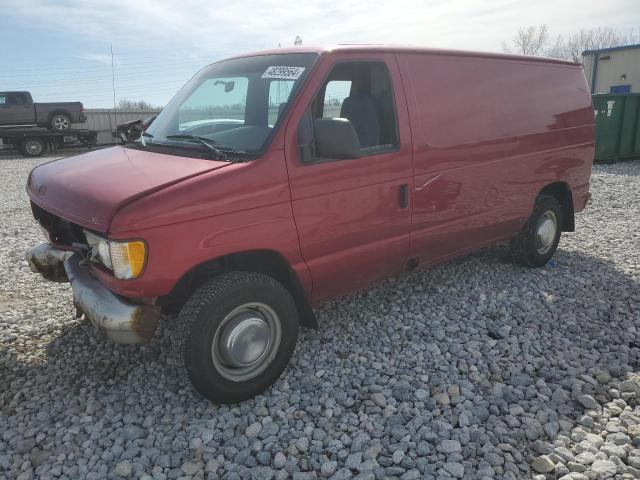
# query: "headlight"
(125, 259)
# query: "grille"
(60, 230)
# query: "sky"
(61, 50)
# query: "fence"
(104, 121)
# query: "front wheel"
(537, 241)
(235, 335)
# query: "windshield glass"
(234, 104)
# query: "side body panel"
(45, 110)
(351, 226)
(489, 134)
(243, 207)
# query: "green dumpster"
(617, 126)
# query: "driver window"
(16, 99)
(362, 93)
(216, 101)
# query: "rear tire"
(60, 122)
(32, 147)
(235, 336)
(537, 241)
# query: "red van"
(275, 180)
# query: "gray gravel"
(474, 369)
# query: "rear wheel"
(32, 147)
(537, 241)
(235, 335)
(60, 122)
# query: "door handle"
(403, 196)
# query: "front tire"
(60, 122)
(537, 241)
(236, 335)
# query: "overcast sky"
(60, 50)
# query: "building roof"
(611, 49)
(404, 49)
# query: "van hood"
(88, 189)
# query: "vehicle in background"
(17, 109)
(130, 131)
(34, 142)
(276, 180)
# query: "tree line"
(538, 40)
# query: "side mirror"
(336, 138)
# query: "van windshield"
(235, 104)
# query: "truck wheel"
(235, 335)
(32, 147)
(60, 122)
(537, 242)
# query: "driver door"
(353, 216)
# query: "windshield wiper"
(220, 155)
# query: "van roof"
(404, 49)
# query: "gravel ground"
(474, 369)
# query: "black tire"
(60, 122)
(206, 315)
(528, 248)
(33, 147)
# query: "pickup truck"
(17, 109)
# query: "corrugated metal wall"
(104, 121)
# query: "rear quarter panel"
(44, 110)
(490, 133)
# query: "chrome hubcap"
(246, 341)
(546, 232)
(61, 123)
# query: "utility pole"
(113, 85)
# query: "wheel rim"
(246, 341)
(33, 147)
(546, 231)
(61, 123)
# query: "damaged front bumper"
(120, 321)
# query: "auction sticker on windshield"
(282, 72)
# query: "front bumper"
(120, 321)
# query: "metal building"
(613, 70)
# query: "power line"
(129, 86)
(113, 78)
(210, 58)
(121, 92)
(162, 67)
